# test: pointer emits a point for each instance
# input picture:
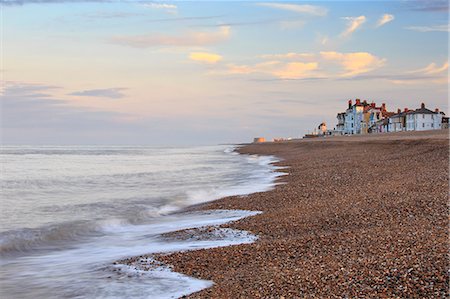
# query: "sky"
(209, 72)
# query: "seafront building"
(367, 118)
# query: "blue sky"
(207, 72)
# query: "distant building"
(259, 139)
(322, 128)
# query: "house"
(444, 124)
(364, 118)
(423, 119)
(397, 122)
(339, 130)
(353, 117)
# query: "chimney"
(422, 106)
(399, 110)
(365, 103)
(406, 109)
(372, 104)
(436, 110)
(383, 106)
(358, 102)
(349, 104)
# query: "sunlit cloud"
(353, 23)
(111, 93)
(186, 39)
(205, 57)
(439, 28)
(354, 63)
(277, 69)
(296, 70)
(384, 19)
(298, 8)
(312, 66)
(432, 69)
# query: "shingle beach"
(357, 217)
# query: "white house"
(353, 117)
(423, 119)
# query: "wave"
(137, 211)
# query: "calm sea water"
(68, 213)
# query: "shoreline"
(330, 231)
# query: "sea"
(70, 214)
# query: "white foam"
(71, 271)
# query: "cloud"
(22, 2)
(159, 5)
(170, 8)
(278, 69)
(290, 55)
(312, 66)
(439, 28)
(205, 57)
(298, 8)
(112, 93)
(428, 6)
(431, 69)
(296, 70)
(354, 63)
(186, 39)
(384, 19)
(352, 25)
(10, 88)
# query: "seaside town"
(362, 117)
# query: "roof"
(422, 111)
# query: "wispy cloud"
(298, 8)
(428, 6)
(185, 39)
(22, 2)
(384, 19)
(292, 24)
(290, 55)
(439, 28)
(431, 69)
(112, 93)
(354, 63)
(353, 23)
(169, 8)
(205, 57)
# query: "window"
(423, 125)
(423, 115)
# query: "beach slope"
(357, 217)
